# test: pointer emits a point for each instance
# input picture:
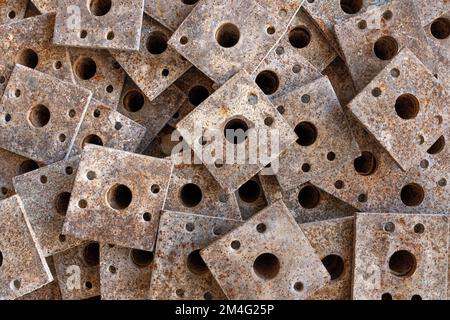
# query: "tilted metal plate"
(169, 13)
(12, 10)
(45, 6)
(251, 198)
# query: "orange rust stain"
(224, 110)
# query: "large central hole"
(440, 28)
(306, 133)
(412, 195)
(228, 35)
(133, 101)
(195, 263)
(100, 7)
(27, 166)
(334, 265)
(438, 146)
(351, 6)
(268, 82)
(386, 48)
(62, 203)
(39, 116)
(236, 131)
(191, 195)
(141, 258)
(309, 197)
(250, 191)
(157, 42)
(299, 37)
(197, 95)
(402, 263)
(92, 139)
(91, 254)
(27, 58)
(366, 164)
(407, 106)
(85, 68)
(266, 266)
(119, 196)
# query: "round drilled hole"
(91, 175)
(157, 42)
(43, 179)
(85, 68)
(386, 296)
(362, 24)
(165, 72)
(236, 131)
(88, 285)
(83, 34)
(261, 227)
(62, 137)
(92, 139)
(147, 216)
(184, 40)
(438, 146)
(351, 6)
(82, 204)
(307, 133)
(298, 286)
(306, 167)
(112, 269)
(119, 196)
(133, 101)
(339, 184)
(27, 57)
(407, 106)
(62, 203)
(141, 258)
(235, 245)
(7, 117)
(195, 263)
(419, 228)
(91, 254)
(416, 297)
(386, 48)
(27, 166)
(57, 65)
(268, 81)
(228, 35)
(16, 284)
(191, 195)
(334, 264)
(155, 189)
(266, 266)
(197, 95)
(300, 37)
(387, 15)
(395, 73)
(331, 156)
(208, 296)
(99, 7)
(366, 164)
(389, 227)
(412, 195)
(110, 35)
(12, 14)
(39, 116)
(440, 28)
(1, 258)
(250, 191)
(402, 263)
(376, 92)
(309, 197)
(189, 2)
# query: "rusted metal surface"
(429, 11)
(156, 65)
(45, 6)
(117, 197)
(96, 25)
(125, 273)
(78, 271)
(12, 10)
(324, 139)
(169, 13)
(180, 272)
(251, 197)
(45, 194)
(40, 115)
(23, 267)
(400, 256)
(341, 80)
(333, 242)
(270, 257)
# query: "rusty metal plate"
(324, 139)
(45, 194)
(49, 291)
(333, 242)
(269, 256)
(125, 273)
(197, 87)
(400, 256)
(251, 198)
(78, 271)
(45, 6)
(153, 115)
(180, 272)
(169, 13)
(405, 108)
(12, 165)
(117, 197)
(29, 42)
(23, 267)
(97, 71)
(379, 35)
(247, 108)
(103, 126)
(156, 65)
(430, 10)
(309, 203)
(40, 115)
(221, 37)
(192, 189)
(99, 24)
(271, 188)
(12, 10)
